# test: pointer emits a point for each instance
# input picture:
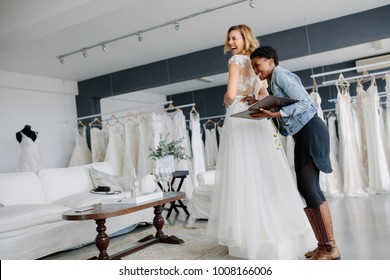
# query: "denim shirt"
(286, 84)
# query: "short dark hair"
(267, 52)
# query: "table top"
(103, 211)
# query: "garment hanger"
(210, 122)
(171, 108)
(330, 114)
(342, 84)
(221, 120)
(193, 111)
(315, 86)
(95, 120)
(80, 123)
(112, 118)
(366, 77)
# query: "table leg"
(102, 239)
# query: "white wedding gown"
(30, 159)
(81, 154)
(256, 209)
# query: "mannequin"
(28, 132)
(30, 159)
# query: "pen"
(84, 210)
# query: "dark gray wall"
(342, 32)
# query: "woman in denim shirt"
(312, 146)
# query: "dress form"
(28, 132)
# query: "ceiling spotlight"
(84, 52)
(177, 25)
(104, 48)
(140, 37)
(62, 61)
(252, 3)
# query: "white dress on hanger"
(256, 209)
(175, 124)
(30, 159)
(377, 151)
(130, 155)
(387, 111)
(145, 164)
(211, 146)
(81, 154)
(98, 144)
(198, 153)
(350, 162)
(115, 148)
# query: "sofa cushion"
(100, 178)
(16, 217)
(61, 182)
(20, 188)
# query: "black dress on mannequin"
(28, 132)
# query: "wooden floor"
(361, 226)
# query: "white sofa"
(31, 224)
(202, 195)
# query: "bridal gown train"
(256, 209)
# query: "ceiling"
(33, 34)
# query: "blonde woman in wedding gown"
(256, 209)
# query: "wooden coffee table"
(100, 212)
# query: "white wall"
(44, 103)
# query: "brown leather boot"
(321, 222)
(309, 254)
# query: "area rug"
(197, 246)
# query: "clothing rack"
(212, 117)
(349, 69)
(334, 100)
(125, 110)
(355, 78)
(181, 106)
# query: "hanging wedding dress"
(211, 146)
(98, 144)
(175, 125)
(352, 170)
(330, 183)
(81, 154)
(198, 157)
(30, 159)
(145, 164)
(377, 151)
(130, 155)
(256, 209)
(115, 148)
(387, 111)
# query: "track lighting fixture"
(177, 25)
(174, 22)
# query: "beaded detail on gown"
(256, 209)
(30, 159)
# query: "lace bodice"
(249, 83)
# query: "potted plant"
(167, 151)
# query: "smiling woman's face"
(236, 42)
(263, 67)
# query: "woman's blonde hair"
(251, 42)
